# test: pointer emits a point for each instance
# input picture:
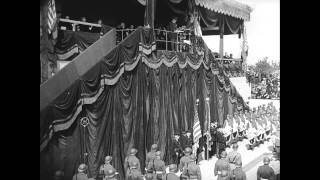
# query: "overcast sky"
(263, 33)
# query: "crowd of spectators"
(264, 86)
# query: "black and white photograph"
(160, 90)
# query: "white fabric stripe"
(68, 54)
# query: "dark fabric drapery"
(211, 19)
(133, 97)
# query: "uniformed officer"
(134, 173)
(186, 140)
(177, 149)
(158, 166)
(130, 160)
(106, 166)
(221, 164)
(185, 159)
(81, 175)
(172, 173)
(110, 174)
(192, 170)
(234, 156)
(152, 154)
(238, 173)
(265, 172)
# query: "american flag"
(196, 127)
(52, 15)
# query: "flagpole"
(208, 126)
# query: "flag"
(196, 129)
(52, 16)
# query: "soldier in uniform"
(185, 159)
(192, 170)
(152, 154)
(177, 150)
(228, 130)
(221, 164)
(186, 140)
(265, 172)
(158, 166)
(81, 175)
(235, 127)
(172, 173)
(238, 173)
(134, 173)
(234, 157)
(110, 174)
(105, 167)
(130, 160)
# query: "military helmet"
(188, 150)
(108, 159)
(58, 174)
(266, 160)
(133, 151)
(110, 173)
(158, 153)
(223, 154)
(154, 147)
(172, 167)
(82, 168)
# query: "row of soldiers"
(229, 167)
(256, 125)
(155, 167)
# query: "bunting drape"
(134, 97)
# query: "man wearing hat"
(238, 173)
(234, 157)
(81, 175)
(192, 170)
(265, 172)
(221, 164)
(105, 167)
(186, 158)
(172, 173)
(152, 154)
(158, 166)
(130, 160)
(134, 173)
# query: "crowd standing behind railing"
(262, 86)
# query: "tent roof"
(227, 7)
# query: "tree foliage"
(264, 67)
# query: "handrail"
(79, 22)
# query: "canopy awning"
(227, 7)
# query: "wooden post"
(221, 27)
